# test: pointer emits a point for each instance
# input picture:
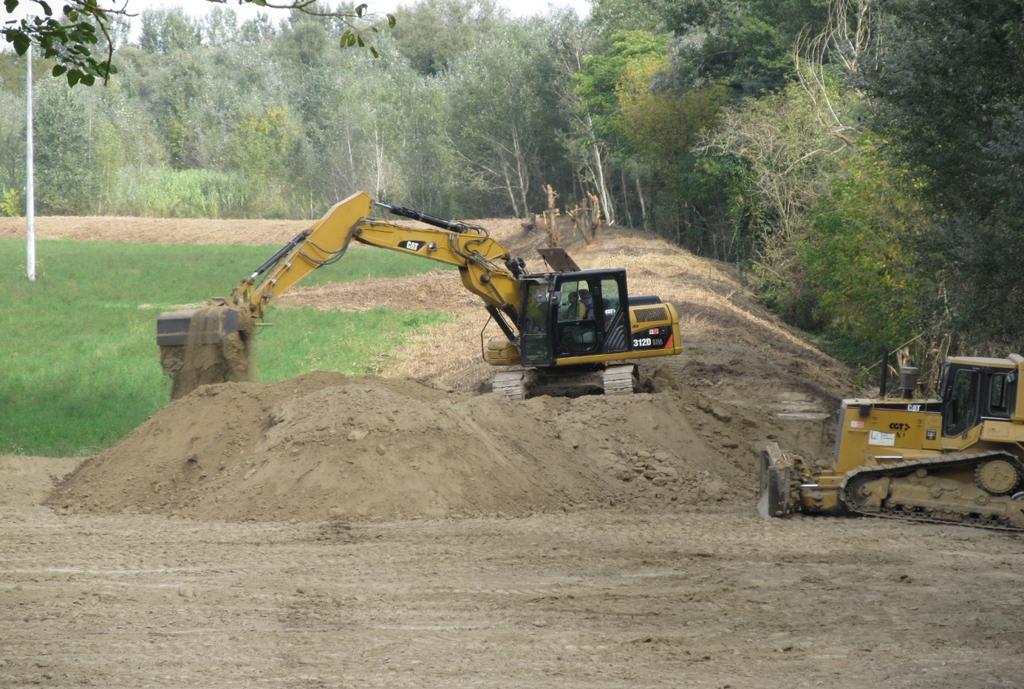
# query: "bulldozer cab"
(976, 390)
(573, 314)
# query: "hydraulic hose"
(452, 225)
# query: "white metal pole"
(30, 191)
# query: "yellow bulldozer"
(958, 459)
(568, 331)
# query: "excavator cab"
(577, 314)
(578, 331)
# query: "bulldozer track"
(900, 516)
(920, 514)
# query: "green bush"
(163, 192)
(861, 254)
(11, 203)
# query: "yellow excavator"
(958, 459)
(566, 332)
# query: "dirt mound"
(330, 446)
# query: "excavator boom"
(487, 268)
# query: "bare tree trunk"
(351, 155)
(511, 193)
(595, 214)
(551, 216)
(521, 172)
(643, 206)
(378, 160)
(625, 198)
(602, 187)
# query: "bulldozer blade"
(774, 481)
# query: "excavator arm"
(486, 267)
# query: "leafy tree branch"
(79, 43)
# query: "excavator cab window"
(574, 314)
(577, 333)
(536, 338)
(615, 314)
(961, 401)
(592, 314)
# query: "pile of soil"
(330, 446)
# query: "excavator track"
(514, 384)
(519, 383)
(868, 491)
(620, 380)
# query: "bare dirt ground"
(405, 532)
(707, 598)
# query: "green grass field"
(81, 368)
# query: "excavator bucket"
(204, 346)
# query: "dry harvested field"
(409, 531)
(156, 230)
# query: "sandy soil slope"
(743, 378)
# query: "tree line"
(859, 161)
